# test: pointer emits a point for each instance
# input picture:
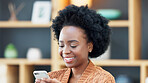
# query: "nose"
(66, 50)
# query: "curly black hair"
(95, 26)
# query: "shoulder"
(57, 74)
(103, 75)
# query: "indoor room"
(29, 41)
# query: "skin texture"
(73, 44)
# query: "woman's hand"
(45, 80)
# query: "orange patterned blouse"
(92, 74)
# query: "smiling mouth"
(68, 60)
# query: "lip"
(68, 59)
(68, 56)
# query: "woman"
(81, 33)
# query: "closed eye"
(73, 46)
(61, 46)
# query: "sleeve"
(57, 74)
(104, 78)
(110, 80)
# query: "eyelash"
(70, 46)
(73, 46)
(61, 46)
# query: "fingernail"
(44, 78)
(37, 80)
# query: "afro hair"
(95, 26)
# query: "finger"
(47, 80)
(55, 81)
(51, 80)
(37, 80)
(42, 81)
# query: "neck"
(77, 71)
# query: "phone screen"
(40, 74)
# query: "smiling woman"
(81, 33)
(74, 48)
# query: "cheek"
(81, 52)
(60, 51)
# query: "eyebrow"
(70, 41)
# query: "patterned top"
(92, 74)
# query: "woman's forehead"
(72, 33)
(72, 29)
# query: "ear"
(90, 47)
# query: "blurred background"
(23, 35)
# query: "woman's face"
(73, 46)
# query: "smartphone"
(40, 74)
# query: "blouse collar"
(89, 69)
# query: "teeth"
(68, 59)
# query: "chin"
(69, 65)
